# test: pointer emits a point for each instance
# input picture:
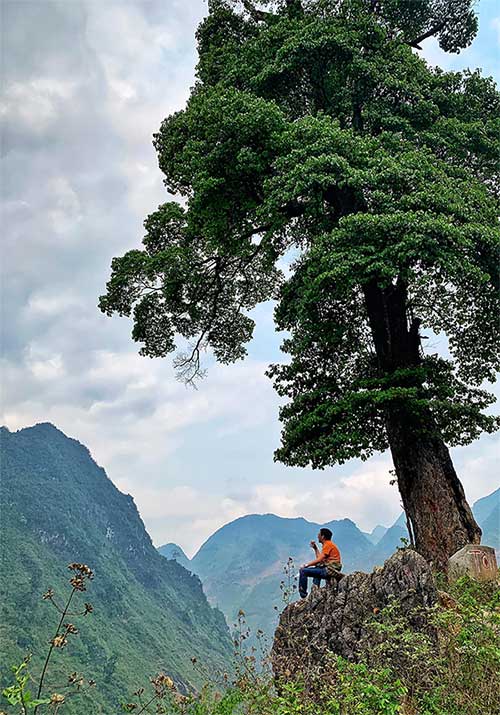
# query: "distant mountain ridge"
(173, 551)
(376, 533)
(150, 614)
(487, 513)
(241, 564)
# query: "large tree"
(315, 130)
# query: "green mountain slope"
(150, 614)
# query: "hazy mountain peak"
(376, 533)
(483, 507)
(174, 552)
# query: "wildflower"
(70, 628)
(82, 572)
(161, 683)
(139, 692)
(91, 682)
(78, 583)
(75, 679)
(56, 699)
(48, 595)
(59, 641)
(82, 569)
(88, 608)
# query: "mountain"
(376, 534)
(390, 541)
(484, 507)
(242, 564)
(173, 551)
(58, 506)
(487, 513)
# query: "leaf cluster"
(315, 128)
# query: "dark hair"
(326, 533)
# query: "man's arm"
(316, 562)
(319, 557)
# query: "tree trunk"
(439, 519)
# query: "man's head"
(324, 535)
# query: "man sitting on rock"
(324, 565)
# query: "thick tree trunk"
(439, 519)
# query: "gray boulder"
(336, 619)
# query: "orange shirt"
(330, 552)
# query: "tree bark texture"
(439, 517)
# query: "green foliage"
(315, 127)
(19, 693)
(149, 613)
(442, 660)
(448, 659)
(363, 691)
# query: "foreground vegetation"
(453, 669)
(450, 667)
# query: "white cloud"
(86, 85)
(44, 366)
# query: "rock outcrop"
(337, 619)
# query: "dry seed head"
(78, 583)
(84, 570)
(161, 683)
(59, 641)
(56, 699)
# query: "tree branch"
(255, 13)
(432, 31)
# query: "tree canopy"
(315, 126)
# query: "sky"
(85, 86)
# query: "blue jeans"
(315, 572)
